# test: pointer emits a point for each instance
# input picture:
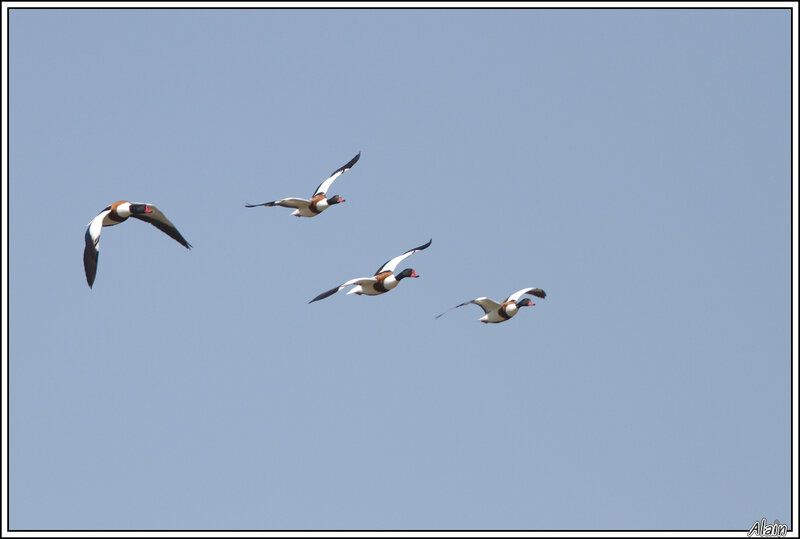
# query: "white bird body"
(366, 285)
(495, 312)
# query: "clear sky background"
(635, 164)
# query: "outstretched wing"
(160, 221)
(91, 250)
(484, 303)
(285, 202)
(324, 186)
(391, 265)
(332, 291)
(538, 292)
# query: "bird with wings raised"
(383, 280)
(115, 214)
(500, 312)
(319, 202)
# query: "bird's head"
(140, 208)
(335, 199)
(408, 272)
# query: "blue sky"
(635, 164)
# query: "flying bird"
(500, 312)
(317, 203)
(383, 280)
(114, 215)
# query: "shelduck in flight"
(114, 215)
(319, 202)
(500, 312)
(383, 280)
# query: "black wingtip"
(90, 258)
(321, 296)
(349, 164)
(451, 308)
(325, 294)
(248, 205)
(180, 239)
